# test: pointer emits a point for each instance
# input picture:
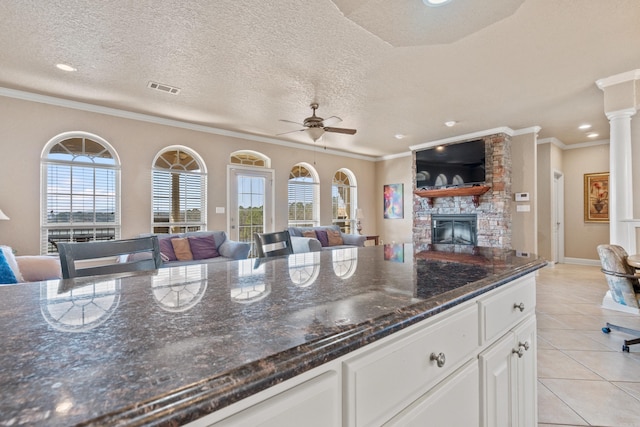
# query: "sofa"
(199, 246)
(27, 268)
(326, 237)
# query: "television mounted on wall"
(453, 165)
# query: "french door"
(250, 202)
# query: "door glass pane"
(251, 197)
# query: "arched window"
(179, 191)
(80, 190)
(250, 158)
(344, 200)
(304, 205)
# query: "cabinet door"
(498, 383)
(315, 403)
(453, 403)
(383, 382)
(527, 374)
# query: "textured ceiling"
(384, 70)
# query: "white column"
(620, 178)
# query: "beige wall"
(581, 238)
(523, 180)
(27, 126)
(395, 171)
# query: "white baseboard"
(582, 261)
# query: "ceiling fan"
(317, 126)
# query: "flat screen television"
(453, 165)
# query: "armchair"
(624, 288)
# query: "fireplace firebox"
(454, 229)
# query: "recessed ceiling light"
(584, 126)
(593, 135)
(399, 136)
(66, 67)
(450, 123)
(435, 3)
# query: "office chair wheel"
(625, 348)
(606, 329)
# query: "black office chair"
(109, 257)
(624, 288)
(273, 244)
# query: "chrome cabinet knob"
(519, 306)
(440, 359)
(524, 344)
(519, 351)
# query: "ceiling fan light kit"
(317, 126)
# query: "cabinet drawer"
(507, 307)
(441, 405)
(382, 382)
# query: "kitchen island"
(240, 341)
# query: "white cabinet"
(469, 366)
(317, 401)
(508, 379)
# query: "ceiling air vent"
(163, 88)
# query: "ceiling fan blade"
(289, 121)
(331, 121)
(291, 131)
(340, 130)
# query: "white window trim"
(45, 161)
(203, 190)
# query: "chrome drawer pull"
(440, 359)
(519, 306)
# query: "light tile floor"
(584, 378)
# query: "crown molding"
(533, 129)
(115, 112)
(618, 78)
(561, 145)
(465, 137)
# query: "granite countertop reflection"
(172, 345)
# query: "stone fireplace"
(491, 209)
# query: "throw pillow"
(322, 237)
(335, 238)
(166, 249)
(13, 264)
(309, 233)
(182, 249)
(203, 247)
(6, 273)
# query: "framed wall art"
(596, 197)
(394, 201)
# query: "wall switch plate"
(219, 210)
(522, 197)
(523, 208)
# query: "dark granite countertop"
(170, 346)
